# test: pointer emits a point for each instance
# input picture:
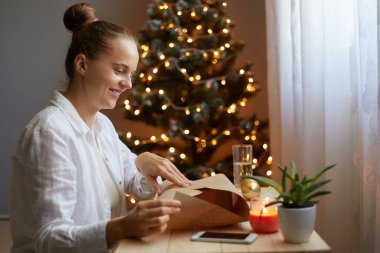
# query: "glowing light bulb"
(247, 137)
(253, 137)
(269, 173)
(187, 111)
(153, 138)
(250, 80)
(198, 77)
(128, 135)
(171, 149)
(254, 160)
(241, 72)
(227, 132)
(155, 70)
(148, 90)
(161, 92)
(198, 27)
(196, 139)
(193, 14)
(205, 8)
(198, 109)
(189, 40)
(141, 75)
(137, 142)
(179, 13)
(133, 201)
(163, 136)
(257, 122)
(137, 112)
(186, 131)
(167, 64)
(223, 82)
(182, 156)
(183, 70)
(171, 44)
(224, 4)
(210, 31)
(214, 142)
(250, 88)
(150, 77)
(227, 45)
(162, 56)
(164, 107)
(225, 30)
(265, 146)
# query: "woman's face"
(109, 75)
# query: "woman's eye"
(118, 71)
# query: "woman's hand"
(147, 218)
(152, 166)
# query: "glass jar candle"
(263, 219)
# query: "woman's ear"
(80, 64)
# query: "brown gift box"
(208, 202)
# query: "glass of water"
(242, 161)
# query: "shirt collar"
(72, 114)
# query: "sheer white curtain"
(323, 77)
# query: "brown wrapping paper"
(208, 202)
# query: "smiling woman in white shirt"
(70, 170)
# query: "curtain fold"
(323, 87)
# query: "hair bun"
(78, 15)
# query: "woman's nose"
(126, 83)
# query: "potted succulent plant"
(297, 199)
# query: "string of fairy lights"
(164, 61)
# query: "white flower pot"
(297, 224)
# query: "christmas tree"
(187, 87)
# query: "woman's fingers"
(152, 165)
(160, 203)
(171, 173)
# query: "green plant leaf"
(320, 173)
(317, 194)
(283, 180)
(294, 171)
(284, 170)
(315, 186)
(267, 181)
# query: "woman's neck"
(75, 95)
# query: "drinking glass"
(242, 162)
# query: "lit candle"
(263, 219)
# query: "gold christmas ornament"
(250, 189)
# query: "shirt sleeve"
(51, 194)
(135, 183)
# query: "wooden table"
(179, 242)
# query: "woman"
(71, 170)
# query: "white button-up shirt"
(58, 201)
